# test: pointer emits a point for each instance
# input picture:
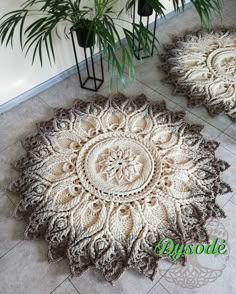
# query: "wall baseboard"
(67, 73)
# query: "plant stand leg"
(138, 52)
(90, 77)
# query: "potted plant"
(144, 8)
(205, 8)
(95, 25)
(85, 32)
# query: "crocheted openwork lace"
(104, 181)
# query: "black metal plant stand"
(137, 52)
(97, 82)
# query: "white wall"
(17, 75)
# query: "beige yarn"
(203, 66)
(105, 180)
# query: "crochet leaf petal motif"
(203, 66)
(104, 181)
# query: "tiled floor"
(23, 264)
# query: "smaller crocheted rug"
(104, 181)
(203, 66)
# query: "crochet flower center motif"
(104, 181)
(222, 63)
(229, 65)
(119, 165)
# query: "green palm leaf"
(37, 36)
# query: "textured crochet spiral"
(104, 181)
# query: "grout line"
(1, 150)
(161, 276)
(59, 284)
(219, 136)
(14, 204)
(229, 200)
(165, 96)
(164, 287)
(11, 249)
(153, 286)
(232, 201)
(25, 136)
(225, 147)
(73, 286)
(35, 128)
(228, 135)
(147, 86)
(227, 127)
(42, 100)
(189, 110)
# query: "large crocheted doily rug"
(104, 181)
(203, 66)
